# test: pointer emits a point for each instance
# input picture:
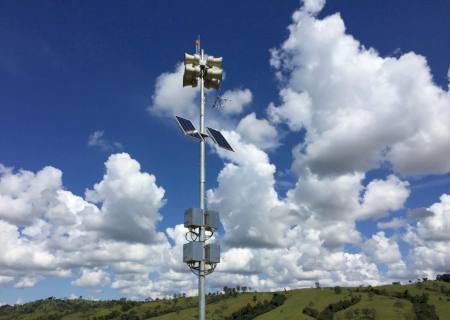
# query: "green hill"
(422, 301)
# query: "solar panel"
(219, 139)
(185, 125)
(188, 128)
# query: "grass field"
(370, 306)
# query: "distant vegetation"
(421, 300)
(332, 308)
(252, 311)
(443, 277)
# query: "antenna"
(220, 101)
(197, 45)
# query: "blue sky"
(70, 69)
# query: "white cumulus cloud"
(97, 139)
(130, 202)
(382, 249)
(236, 100)
(258, 132)
(92, 278)
(358, 108)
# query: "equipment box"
(212, 221)
(212, 253)
(193, 218)
(193, 252)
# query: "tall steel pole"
(201, 259)
(201, 276)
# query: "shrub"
(369, 313)
(328, 312)
(443, 277)
(310, 312)
(249, 312)
(425, 311)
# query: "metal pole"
(201, 277)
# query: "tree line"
(251, 311)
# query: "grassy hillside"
(413, 301)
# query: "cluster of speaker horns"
(212, 71)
